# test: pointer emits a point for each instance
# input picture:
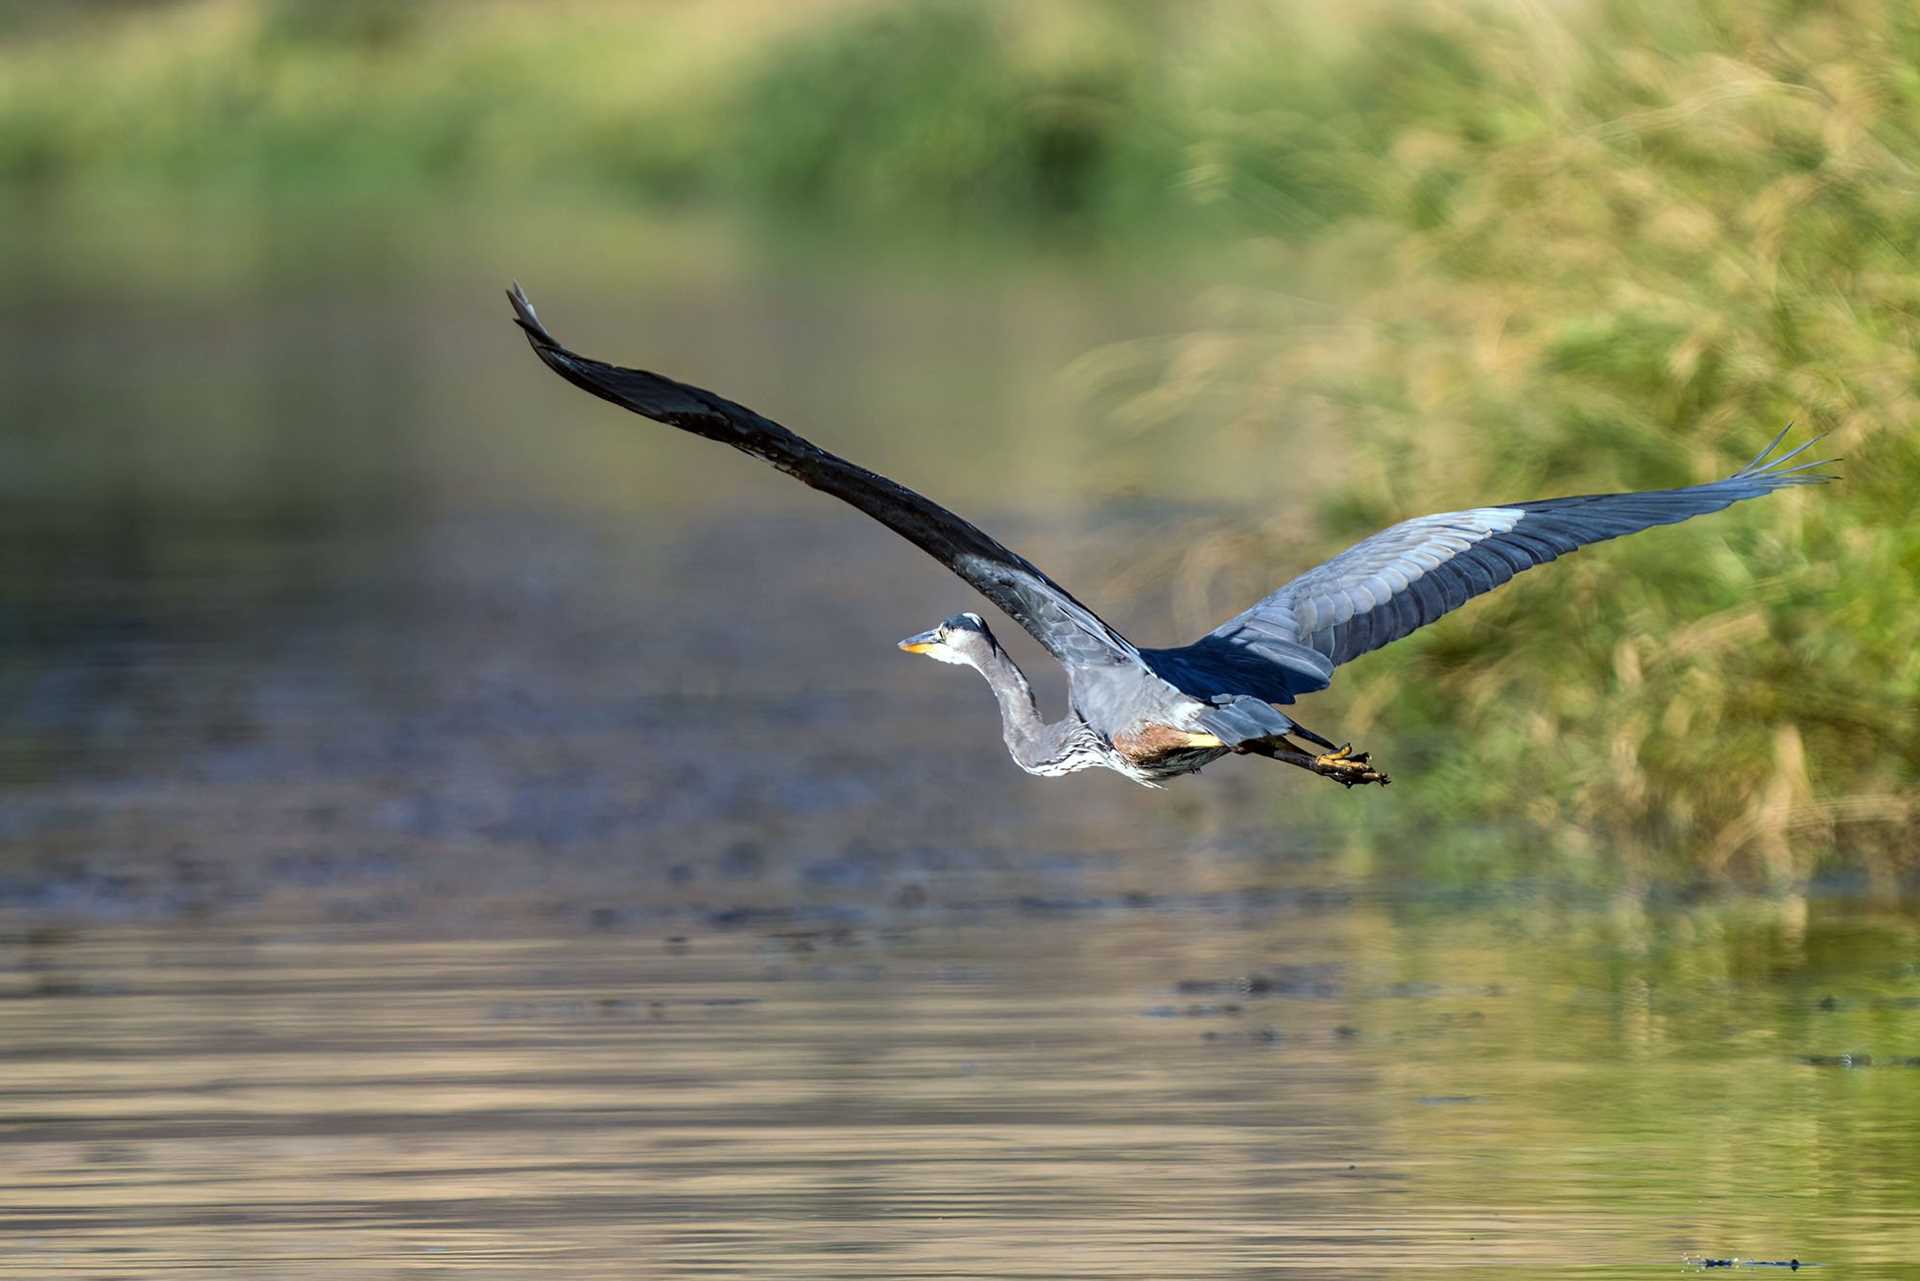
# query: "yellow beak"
(922, 643)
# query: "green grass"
(1499, 253)
(1621, 252)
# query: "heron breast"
(1150, 744)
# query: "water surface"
(1306, 1083)
(450, 828)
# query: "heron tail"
(1236, 719)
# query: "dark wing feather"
(1403, 578)
(1071, 631)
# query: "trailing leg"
(1301, 731)
(1341, 764)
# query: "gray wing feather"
(1071, 632)
(1405, 577)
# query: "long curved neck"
(1033, 743)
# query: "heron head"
(964, 638)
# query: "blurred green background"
(1446, 254)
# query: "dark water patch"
(1792, 1265)
(1195, 1011)
(1314, 982)
(1859, 1061)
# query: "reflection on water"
(447, 827)
(1316, 1085)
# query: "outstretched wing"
(1404, 577)
(1070, 631)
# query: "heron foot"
(1341, 764)
(1348, 767)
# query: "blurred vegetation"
(1502, 252)
(1616, 253)
(945, 114)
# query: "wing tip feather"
(529, 320)
(1774, 472)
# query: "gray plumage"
(1154, 714)
(1406, 576)
(1037, 746)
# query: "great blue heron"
(1154, 714)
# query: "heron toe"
(1348, 767)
